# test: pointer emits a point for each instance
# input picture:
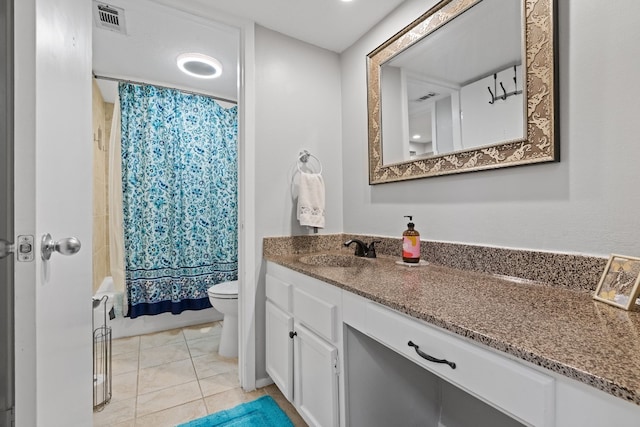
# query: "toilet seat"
(225, 290)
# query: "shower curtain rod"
(115, 79)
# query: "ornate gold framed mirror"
(470, 85)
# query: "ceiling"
(157, 34)
(332, 24)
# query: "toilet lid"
(224, 290)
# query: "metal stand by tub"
(101, 357)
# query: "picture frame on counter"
(620, 282)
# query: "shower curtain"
(179, 187)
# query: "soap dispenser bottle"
(410, 243)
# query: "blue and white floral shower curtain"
(179, 183)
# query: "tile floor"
(171, 377)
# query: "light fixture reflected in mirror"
(199, 65)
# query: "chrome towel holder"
(303, 158)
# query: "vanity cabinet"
(303, 342)
(343, 359)
(522, 393)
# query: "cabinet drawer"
(515, 389)
(278, 292)
(316, 314)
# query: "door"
(53, 194)
(316, 378)
(6, 216)
(279, 351)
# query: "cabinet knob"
(292, 334)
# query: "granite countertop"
(563, 330)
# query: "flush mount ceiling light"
(199, 65)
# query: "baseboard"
(263, 382)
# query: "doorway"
(60, 113)
(185, 36)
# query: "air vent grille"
(109, 17)
(427, 96)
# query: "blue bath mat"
(262, 412)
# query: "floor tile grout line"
(135, 420)
(135, 406)
(197, 379)
(191, 357)
(172, 407)
(194, 370)
(193, 365)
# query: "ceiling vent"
(109, 17)
(427, 96)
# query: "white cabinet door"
(316, 378)
(279, 349)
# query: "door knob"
(6, 248)
(68, 246)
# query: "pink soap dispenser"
(411, 243)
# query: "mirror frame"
(539, 145)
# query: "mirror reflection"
(459, 88)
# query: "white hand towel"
(311, 200)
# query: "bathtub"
(125, 327)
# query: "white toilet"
(224, 298)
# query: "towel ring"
(303, 157)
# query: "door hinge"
(8, 417)
(336, 366)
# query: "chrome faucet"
(362, 250)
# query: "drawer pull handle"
(430, 358)
(292, 334)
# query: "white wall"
(484, 123)
(587, 203)
(297, 107)
(444, 126)
(394, 115)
